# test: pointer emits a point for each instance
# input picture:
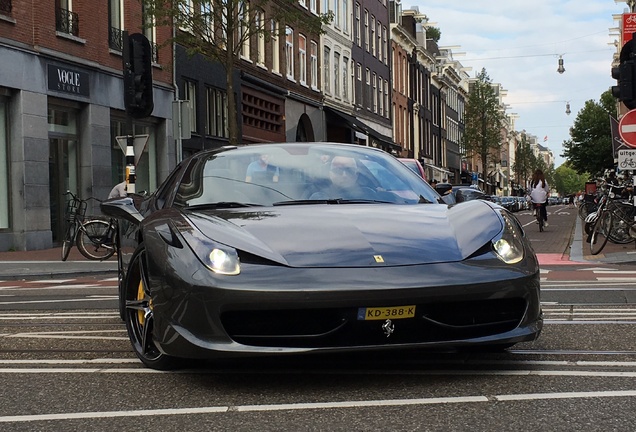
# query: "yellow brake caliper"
(141, 294)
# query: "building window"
(358, 88)
(4, 166)
(275, 48)
(375, 93)
(372, 36)
(207, 18)
(302, 59)
(186, 11)
(66, 21)
(5, 7)
(366, 30)
(379, 36)
(357, 30)
(190, 94)
(216, 119)
(336, 12)
(385, 45)
(115, 24)
(345, 15)
(336, 73)
(314, 65)
(259, 21)
(303, 3)
(380, 95)
(345, 79)
(326, 68)
(367, 101)
(386, 98)
(289, 52)
(150, 31)
(244, 24)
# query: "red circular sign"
(627, 128)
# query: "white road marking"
(319, 405)
(88, 298)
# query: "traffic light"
(137, 65)
(625, 74)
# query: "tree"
(220, 29)
(567, 181)
(525, 162)
(433, 33)
(589, 148)
(483, 118)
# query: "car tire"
(139, 315)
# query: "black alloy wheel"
(139, 316)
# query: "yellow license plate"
(383, 313)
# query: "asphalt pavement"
(562, 242)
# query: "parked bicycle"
(614, 220)
(94, 237)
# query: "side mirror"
(443, 188)
(123, 208)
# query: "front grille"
(339, 327)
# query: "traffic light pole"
(138, 92)
(130, 155)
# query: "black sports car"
(315, 247)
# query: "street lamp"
(560, 69)
(567, 108)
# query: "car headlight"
(219, 258)
(509, 245)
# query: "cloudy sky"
(519, 44)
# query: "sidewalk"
(48, 263)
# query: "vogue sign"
(68, 80)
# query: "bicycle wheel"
(69, 236)
(585, 208)
(599, 236)
(96, 240)
(622, 221)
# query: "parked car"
(462, 193)
(414, 165)
(291, 262)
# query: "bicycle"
(614, 220)
(538, 215)
(95, 238)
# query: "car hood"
(353, 235)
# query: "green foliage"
(525, 162)
(589, 148)
(484, 118)
(433, 33)
(568, 181)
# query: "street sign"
(627, 128)
(139, 144)
(627, 159)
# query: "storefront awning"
(359, 126)
(438, 169)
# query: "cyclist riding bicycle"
(539, 194)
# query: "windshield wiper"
(332, 201)
(222, 204)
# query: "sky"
(518, 43)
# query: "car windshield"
(287, 174)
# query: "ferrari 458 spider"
(318, 247)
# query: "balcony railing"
(5, 6)
(67, 22)
(116, 39)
